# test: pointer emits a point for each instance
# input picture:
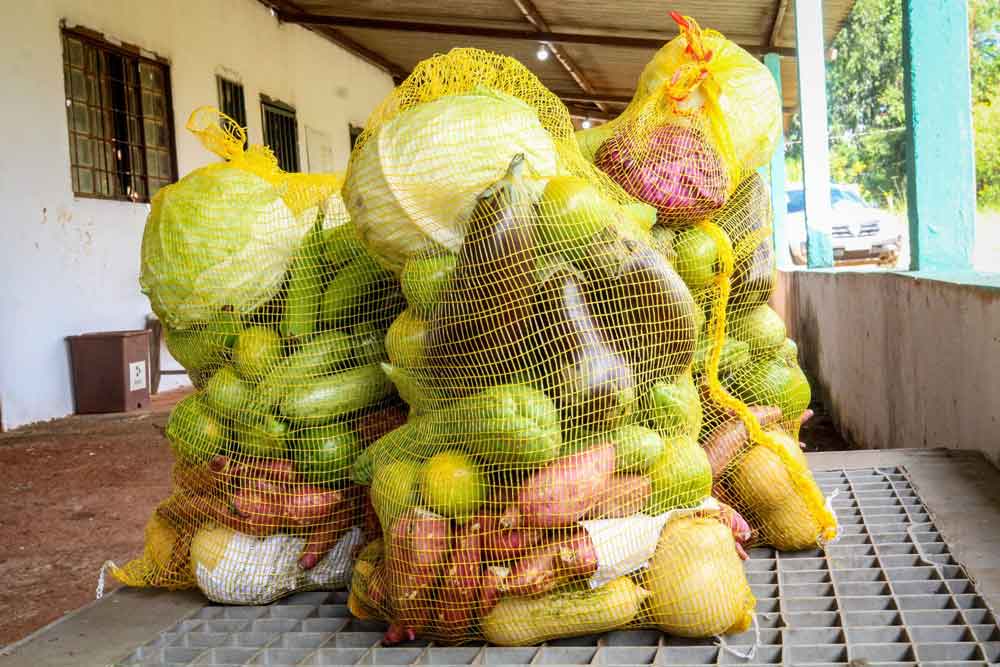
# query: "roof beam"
(282, 7)
(531, 13)
(779, 19)
(595, 97)
(515, 34)
(578, 111)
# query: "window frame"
(220, 81)
(134, 53)
(267, 103)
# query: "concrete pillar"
(778, 199)
(810, 50)
(940, 169)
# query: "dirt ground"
(75, 492)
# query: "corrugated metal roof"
(397, 34)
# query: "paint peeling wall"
(70, 265)
(901, 361)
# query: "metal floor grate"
(887, 593)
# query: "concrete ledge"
(104, 631)
(900, 361)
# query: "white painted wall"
(70, 265)
(900, 361)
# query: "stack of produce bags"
(269, 301)
(525, 378)
(703, 119)
(573, 404)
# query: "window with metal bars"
(281, 132)
(118, 110)
(232, 102)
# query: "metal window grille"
(281, 133)
(232, 102)
(118, 113)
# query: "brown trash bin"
(110, 370)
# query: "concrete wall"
(900, 361)
(69, 265)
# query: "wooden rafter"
(779, 19)
(531, 13)
(508, 33)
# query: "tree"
(985, 66)
(865, 98)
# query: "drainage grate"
(887, 593)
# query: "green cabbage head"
(219, 239)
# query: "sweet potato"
(493, 579)
(552, 564)
(533, 574)
(416, 551)
(373, 426)
(739, 527)
(195, 479)
(267, 475)
(221, 511)
(623, 496)
(500, 545)
(726, 440)
(564, 491)
(324, 536)
(460, 584)
(304, 507)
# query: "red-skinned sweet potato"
(727, 439)
(500, 545)
(563, 492)
(416, 551)
(739, 526)
(324, 536)
(552, 564)
(460, 584)
(623, 496)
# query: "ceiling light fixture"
(585, 124)
(542, 53)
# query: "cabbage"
(218, 239)
(676, 170)
(414, 183)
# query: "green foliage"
(986, 118)
(985, 16)
(866, 109)
(985, 55)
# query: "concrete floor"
(961, 490)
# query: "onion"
(676, 170)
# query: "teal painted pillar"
(940, 169)
(778, 200)
(809, 47)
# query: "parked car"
(860, 230)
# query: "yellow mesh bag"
(546, 354)
(754, 394)
(270, 302)
(704, 114)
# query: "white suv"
(860, 231)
